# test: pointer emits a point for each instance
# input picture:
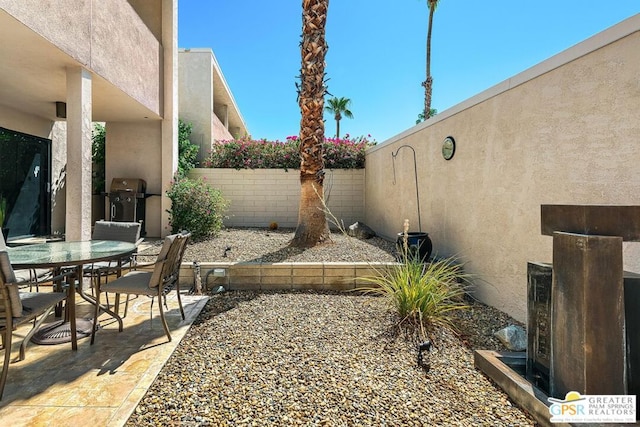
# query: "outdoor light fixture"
(61, 110)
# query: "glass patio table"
(75, 255)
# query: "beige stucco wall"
(195, 101)
(261, 196)
(133, 151)
(129, 58)
(565, 131)
(65, 23)
(25, 123)
(219, 132)
(58, 177)
(196, 71)
(150, 13)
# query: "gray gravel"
(261, 244)
(334, 359)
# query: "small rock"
(513, 337)
(360, 230)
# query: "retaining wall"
(334, 276)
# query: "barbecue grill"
(127, 201)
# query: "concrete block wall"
(261, 196)
(284, 276)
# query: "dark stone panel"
(623, 221)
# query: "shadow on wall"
(58, 202)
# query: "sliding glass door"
(25, 183)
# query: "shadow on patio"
(99, 384)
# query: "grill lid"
(131, 185)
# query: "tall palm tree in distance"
(312, 221)
(339, 107)
(428, 83)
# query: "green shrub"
(196, 207)
(98, 140)
(423, 294)
(187, 152)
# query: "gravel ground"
(261, 244)
(310, 358)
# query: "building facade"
(206, 101)
(69, 63)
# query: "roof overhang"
(33, 77)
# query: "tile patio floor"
(100, 384)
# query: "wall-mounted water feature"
(583, 312)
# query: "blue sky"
(377, 53)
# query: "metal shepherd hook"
(415, 173)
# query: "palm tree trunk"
(428, 83)
(312, 222)
(337, 129)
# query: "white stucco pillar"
(170, 105)
(78, 176)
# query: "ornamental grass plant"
(423, 294)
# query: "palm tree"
(338, 107)
(428, 83)
(312, 221)
(432, 112)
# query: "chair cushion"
(36, 302)
(9, 280)
(157, 270)
(111, 230)
(5, 268)
(134, 282)
(14, 301)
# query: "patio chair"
(18, 308)
(113, 230)
(164, 277)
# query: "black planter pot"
(418, 245)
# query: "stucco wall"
(196, 99)
(65, 23)
(133, 151)
(25, 123)
(58, 177)
(219, 132)
(261, 196)
(129, 58)
(195, 85)
(565, 131)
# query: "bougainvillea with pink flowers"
(247, 153)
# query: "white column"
(170, 105)
(78, 176)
